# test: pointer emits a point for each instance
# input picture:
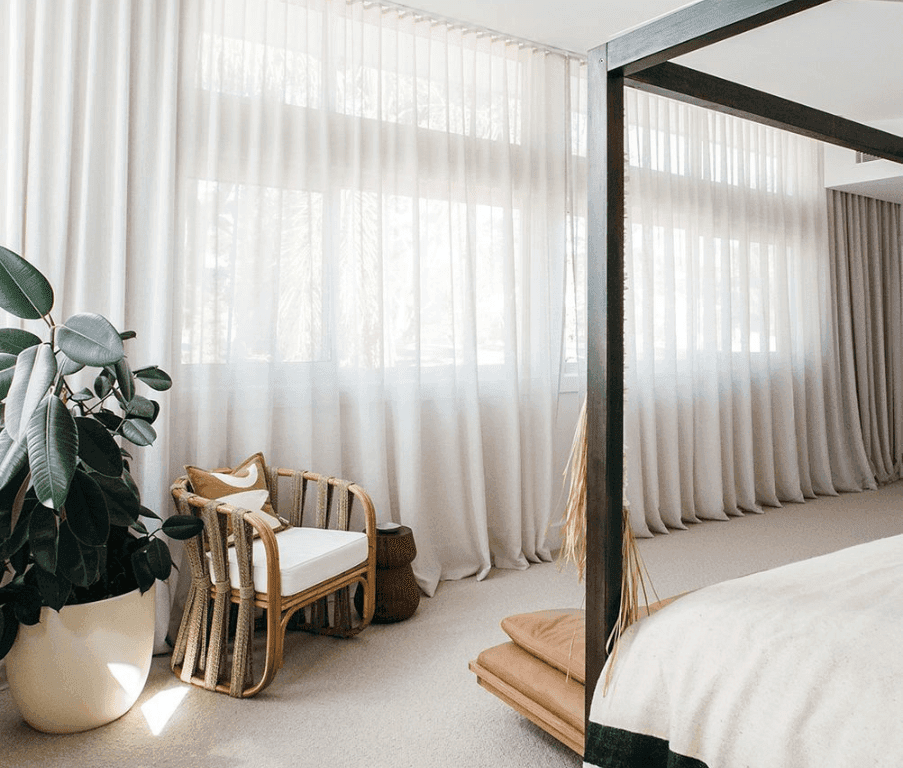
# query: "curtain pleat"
(865, 239)
(348, 233)
(736, 383)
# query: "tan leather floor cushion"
(557, 637)
(538, 681)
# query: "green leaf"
(14, 340)
(67, 365)
(124, 377)
(140, 527)
(24, 291)
(159, 559)
(103, 384)
(97, 448)
(147, 512)
(154, 377)
(7, 370)
(54, 588)
(126, 335)
(19, 536)
(182, 526)
(35, 370)
(90, 339)
(109, 419)
(142, 570)
(141, 408)
(76, 562)
(138, 432)
(9, 628)
(43, 535)
(52, 451)
(86, 511)
(13, 457)
(123, 504)
(27, 605)
(82, 396)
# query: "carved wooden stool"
(397, 593)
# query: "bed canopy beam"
(628, 55)
(689, 85)
(695, 26)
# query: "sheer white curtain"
(734, 394)
(87, 92)
(374, 221)
(349, 234)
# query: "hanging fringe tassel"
(634, 575)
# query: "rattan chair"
(217, 653)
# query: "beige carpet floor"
(400, 695)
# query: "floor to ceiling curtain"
(88, 97)
(867, 290)
(350, 233)
(734, 392)
(374, 214)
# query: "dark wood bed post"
(640, 59)
(605, 359)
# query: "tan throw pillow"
(245, 486)
(557, 637)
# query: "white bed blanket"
(797, 666)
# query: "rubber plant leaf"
(14, 340)
(24, 291)
(67, 365)
(182, 526)
(141, 408)
(27, 605)
(52, 439)
(19, 536)
(103, 384)
(43, 536)
(123, 505)
(9, 628)
(109, 419)
(82, 396)
(97, 448)
(54, 589)
(159, 559)
(75, 562)
(7, 369)
(13, 457)
(124, 377)
(142, 570)
(90, 339)
(35, 371)
(138, 431)
(154, 377)
(86, 511)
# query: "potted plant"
(71, 534)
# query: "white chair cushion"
(307, 556)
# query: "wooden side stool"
(397, 593)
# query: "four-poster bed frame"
(640, 59)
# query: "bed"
(686, 717)
(796, 666)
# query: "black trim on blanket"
(609, 747)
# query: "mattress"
(799, 666)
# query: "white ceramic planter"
(84, 666)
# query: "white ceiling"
(844, 57)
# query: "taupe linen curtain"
(865, 249)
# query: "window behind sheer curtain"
(733, 397)
(382, 254)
